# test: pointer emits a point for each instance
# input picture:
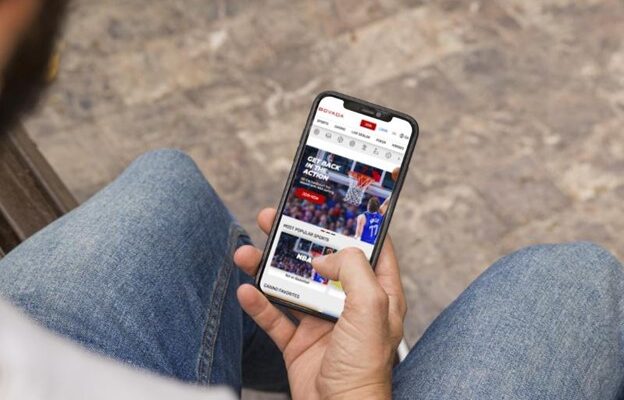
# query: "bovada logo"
(332, 112)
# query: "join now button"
(309, 196)
(367, 124)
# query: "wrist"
(377, 391)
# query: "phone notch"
(366, 109)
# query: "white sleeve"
(36, 364)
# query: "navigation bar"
(361, 144)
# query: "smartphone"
(341, 191)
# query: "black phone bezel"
(393, 199)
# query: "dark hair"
(26, 75)
(373, 204)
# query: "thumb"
(350, 266)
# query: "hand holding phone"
(341, 192)
(355, 354)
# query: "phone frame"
(291, 175)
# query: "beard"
(26, 74)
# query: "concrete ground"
(520, 103)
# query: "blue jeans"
(143, 273)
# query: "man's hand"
(351, 358)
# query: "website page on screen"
(340, 193)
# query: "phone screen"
(338, 197)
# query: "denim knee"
(578, 263)
(167, 166)
(162, 193)
(171, 177)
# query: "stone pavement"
(521, 107)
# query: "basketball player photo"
(369, 222)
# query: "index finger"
(389, 276)
(265, 218)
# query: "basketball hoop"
(358, 183)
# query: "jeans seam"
(213, 320)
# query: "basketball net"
(358, 183)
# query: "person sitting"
(137, 292)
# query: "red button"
(309, 196)
(368, 124)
